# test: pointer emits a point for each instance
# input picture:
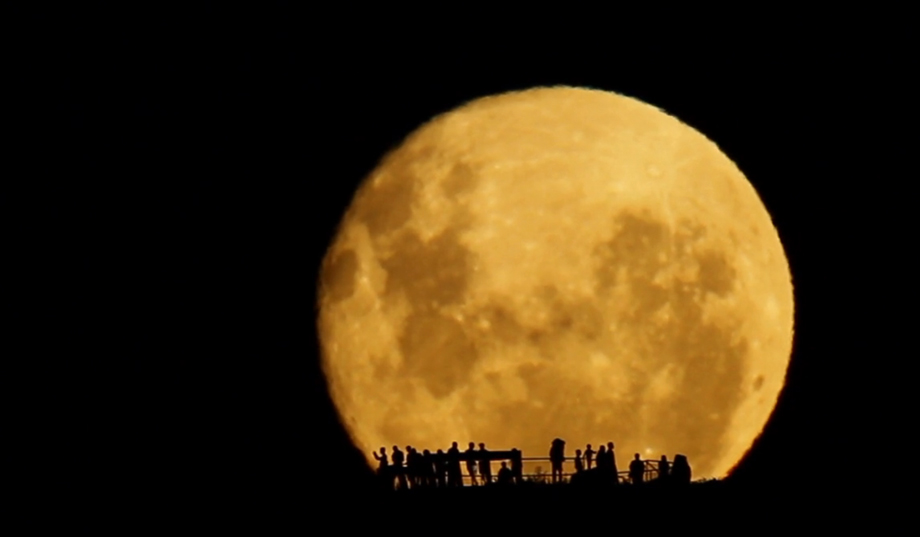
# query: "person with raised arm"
(383, 467)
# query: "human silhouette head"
(383, 450)
(664, 458)
(472, 445)
(610, 446)
(578, 452)
(504, 464)
(589, 446)
(426, 453)
(482, 445)
(395, 448)
(637, 456)
(453, 444)
(440, 452)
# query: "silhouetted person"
(427, 469)
(602, 459)
(383, 459)
(383, 467)
(398, 470)
(416, 471)
(485, 465)
(505, 475)
(612, 460)
(471, 463)
(579, 463)
(664, 469)
(440, 469)
(454, 476)
(636, 470)
(412, 466)
(517, 466)
(680, 471)
(589, 456)
(556, 458)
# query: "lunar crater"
(436, 349)
(381, 219)
(339, 276)
(430, 274)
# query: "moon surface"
(557, 262)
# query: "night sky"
(195, 172)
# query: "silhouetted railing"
(538, 469)
(544, 473)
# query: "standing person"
(505, 475)
(579, 463)
(471, 464)
(680, 472)
(383, 460)
(412, 466)
(557, 457)
(485, 465)
(602, 459)
(440, 468)
(517, 466)
(427, 469)
(636, 470)
(454, 477)
(398, 470)
(415, 468)
(383, 467)
(418, 470)
(664, 469)
(612, 461)
(589, 456)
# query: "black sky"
(196, 169)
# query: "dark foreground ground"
(538, 509)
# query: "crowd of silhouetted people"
(411, 469)
(414, 469)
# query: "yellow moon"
(557, 262)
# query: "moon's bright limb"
(557, 262)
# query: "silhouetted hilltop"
(537, 507)
(540, 508)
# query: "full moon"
(557, 262)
